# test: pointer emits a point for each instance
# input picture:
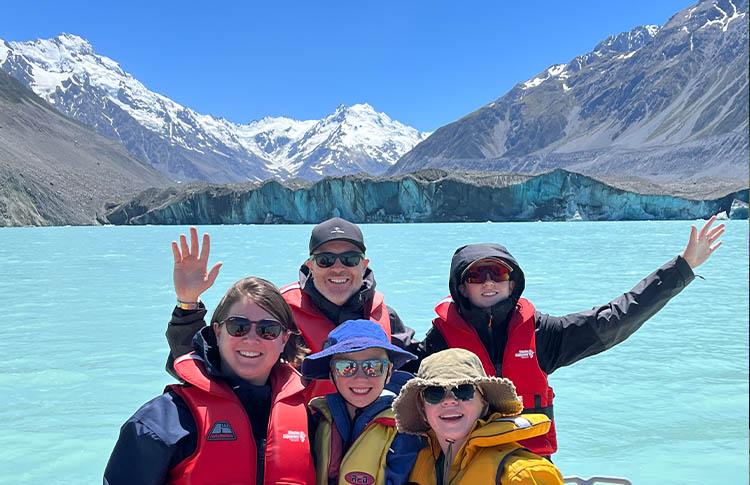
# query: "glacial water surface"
(86, 309)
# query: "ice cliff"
(431, 196)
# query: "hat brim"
(317, 365)
(500, 394)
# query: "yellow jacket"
(491, 454)
(377, 455)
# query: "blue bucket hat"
(352, 336)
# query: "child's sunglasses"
(326, 260)
(240, 326)
(370, 367)
(435, 394)
(496, 272)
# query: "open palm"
(191, 274)
(702, 243)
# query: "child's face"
(488, 284)
(361, 390)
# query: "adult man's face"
(338, 282)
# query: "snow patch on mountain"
(95, 90)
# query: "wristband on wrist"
(188, 305)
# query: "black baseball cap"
(336, 229)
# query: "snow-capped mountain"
(186, 145)
(664, 103)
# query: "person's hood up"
(465, 255)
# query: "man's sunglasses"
(326, 260)
(435, 394)
(496, 272)
(240, 326)
(349, 367)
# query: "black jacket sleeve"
(180, 331)
(403, 337)
(432, 343)
(564, 340)
(153, 441)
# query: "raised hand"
(702, 243)
(190, 264)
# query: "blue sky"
(423, 63)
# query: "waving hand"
(702, 243)
(191, 277)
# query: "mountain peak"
(73, 43)
(67, 72)
(628, 41)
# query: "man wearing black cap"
(335, 285)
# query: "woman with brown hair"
(240, 417)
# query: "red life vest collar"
(191, 367)
(315, 326)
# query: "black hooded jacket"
(185, 323)
(560, 341)
(162, 433)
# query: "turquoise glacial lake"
(86, 309)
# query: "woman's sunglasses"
(240, 326)
(435, 394)
(326, 260)
(496, 272)
(370, 367)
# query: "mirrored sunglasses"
(436, 394)
(326, 260)
(349, 367)
(496, 272)
(240, 326)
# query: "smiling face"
(360, 391)
(486, 292)
(338, 282)
(453, 419)
(249, 357)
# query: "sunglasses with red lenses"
(326, 260)
(240, 326)
(496, 272)
(349, 367)
(436, 394)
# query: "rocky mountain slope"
(661, 104)
(55, 171)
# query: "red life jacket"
(226, 452)
(519, 364)
(315, 327)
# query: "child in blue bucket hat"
(356, 440)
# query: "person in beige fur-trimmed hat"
(472, 424)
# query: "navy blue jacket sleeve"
(155, 439)
(401, 458)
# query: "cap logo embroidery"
(525, 354)
(295, 436)
(221, 431)
(337, 230)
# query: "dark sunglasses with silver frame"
(267, 329)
